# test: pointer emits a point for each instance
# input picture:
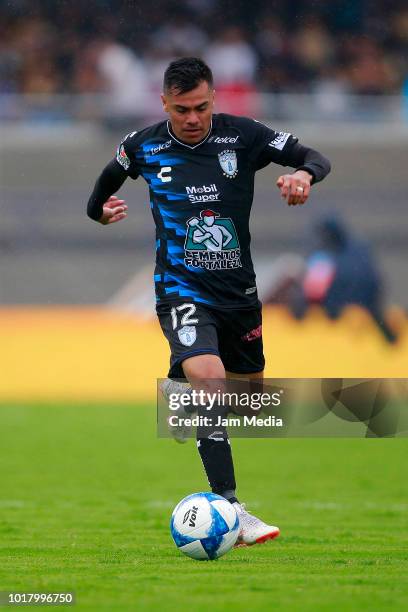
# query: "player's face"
(190, 112)
(209, 221)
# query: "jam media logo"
(212, 242)
(228, 163)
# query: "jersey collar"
(187, 145)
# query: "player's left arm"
(311, 167)
(267, 145)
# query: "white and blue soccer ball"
(204, 526)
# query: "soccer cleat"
(180, 433)
(252, 529)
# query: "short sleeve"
(126, 155)
(269, 146)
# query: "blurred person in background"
(10, 60)
(180, 35)
(312, 49)
(341, 270)
(277, 45)
(36, 43)
(235, 64)
(113, 69)
(370, 71)
(275, 68)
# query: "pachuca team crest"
(228, 163)
(212, 242)
(187, 335)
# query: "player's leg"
(190, 331)
(252, 529)
(206, 373)
(242, 352)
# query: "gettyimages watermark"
(372, 408)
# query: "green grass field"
(87, 492)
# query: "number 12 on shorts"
(186, 312)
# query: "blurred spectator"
(369, 71)
(234, 64)
(278, 45)
(35, 41)
(331, 93)
(114, 69)
(270, 39)
(10, 58)
(179, 37)
(312, 48)
(275, 62)
(341, 270)
(231, 58)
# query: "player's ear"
(164, 102)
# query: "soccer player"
(200, 169)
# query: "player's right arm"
(103, 206)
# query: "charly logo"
(212, 242)
(228, 163)
(187, 335)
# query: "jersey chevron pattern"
(201, 197)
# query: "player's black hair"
(185, 74)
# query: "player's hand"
(295, 188)
(114, 210)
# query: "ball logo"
(192, 515)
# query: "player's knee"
(212, 372)
(204, 368)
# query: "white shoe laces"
(246, 517)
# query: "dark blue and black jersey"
(201, 197)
